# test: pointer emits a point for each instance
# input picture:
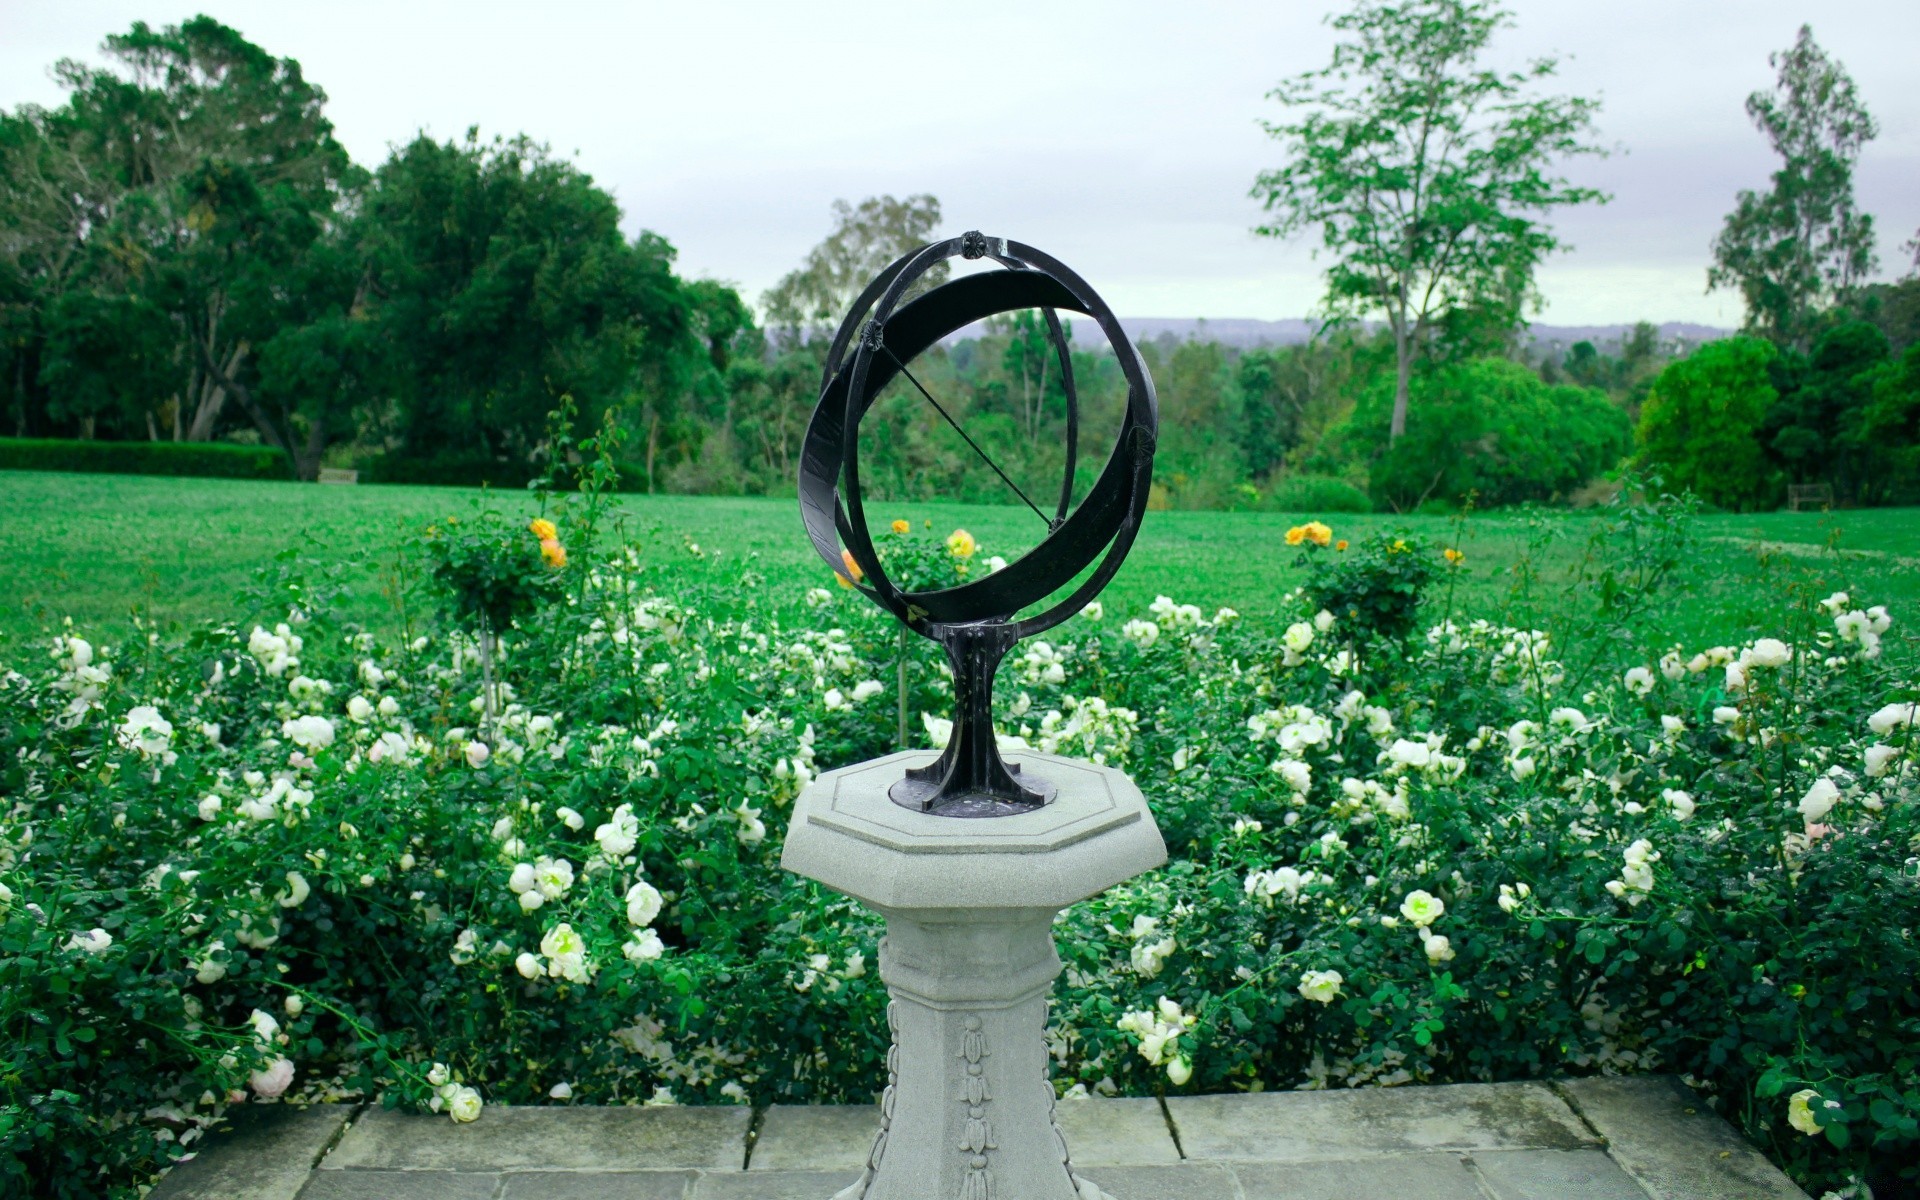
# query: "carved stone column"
(968, 960)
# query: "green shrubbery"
(1315, 494)
(282, 855)
(209, 459)
(1490, 429)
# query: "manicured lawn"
(100, 548)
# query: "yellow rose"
(854, 573)
(962, 544)
(553, 552)
(543, 529)
(1454, 556)
(901, 527)
(1296, 535)
(1317, 533)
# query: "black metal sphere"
(884, 336)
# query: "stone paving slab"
(1402, 1177)
(1573, 1174)
(1126, 1132)
(266, 1155)
(1595, 1139)
(815, 1137)
(1662, 1135)
(571, 1139)
(772, 1185)
(400, 1185)
(599, 1185)
(1361, 1123)
(1187, 1181)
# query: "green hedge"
(212, 459)
(471, 470)
(1316, 494)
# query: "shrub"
(283, 845)
(210, 459)
(1490, 429)
(474, 470)
(1700, 426)
(1315, 494)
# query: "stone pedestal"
(968, 960)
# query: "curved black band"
(1106, 520)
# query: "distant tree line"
(188, 255)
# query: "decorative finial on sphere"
(974, 621)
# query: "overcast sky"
(1118, 135)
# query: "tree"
(1428, 175)
(502, 281)
(1795, 249)
(1700, 427)
(1490, 429)
(864, 241)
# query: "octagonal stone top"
(848, 835)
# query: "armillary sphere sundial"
(974, 621)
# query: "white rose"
(1321, 987)
(464, 1105)
(867, 689)
(1682, 802)
(1877, 759)
(528, 966)
(643, 904)
(560, 1091)
(644, 946)
(1423, 908)
(553, 876)
(309, 733)
(1639, 681)
(1438, 949)
(1819, 800)
(360, 710)
(477, 754)
(1800, 1111)
(521, 881)
(1893, 716)
(571, 819)
(209, 808)
(1094, 610)
(1769, 652)
(1298, 637)
(92, 941)
(273, 1081)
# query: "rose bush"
(285, 858)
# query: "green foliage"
(1372, 588)
(210, 459)
(1700, 427)
(1428, 176)
(490, 571)
(1315, 494)
(320, 834)
(1797, 248)
(1491, 430)
(865, 239)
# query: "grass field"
(99, 548)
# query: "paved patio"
(1590, 1139)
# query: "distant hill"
(1247, 333)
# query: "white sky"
(1119, 135)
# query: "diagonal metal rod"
(963, 433)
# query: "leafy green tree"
(1794, 249)
(1889, 433)
(221, 167)
(502, 280)
(1490, 429)
(1429, 175)
(1814, 428)
(864, 240)
(1700, 427)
